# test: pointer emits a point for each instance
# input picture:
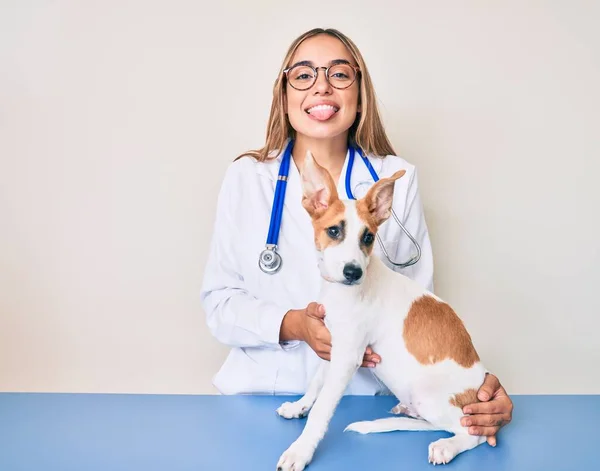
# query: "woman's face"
(322, 111)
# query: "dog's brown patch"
(464, 398)
(433, 333)
(332, 216)
(366, 240)
(365, 214)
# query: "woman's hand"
(308, 325)
(492, 413)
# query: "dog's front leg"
(300, 408)
(345, 360)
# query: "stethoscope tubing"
(270, 261)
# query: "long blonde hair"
(367, 131)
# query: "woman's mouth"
(322, 112)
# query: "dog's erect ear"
(318, 189)
(380, 196)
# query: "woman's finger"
(497, 406)
(372, 358)
(315, 310)
(483, 431)
(489, 388)
(325, 355)
(489, 420)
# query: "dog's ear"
(380, 196)
(318, 188)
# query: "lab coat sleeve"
(413, 218)
(234, 316)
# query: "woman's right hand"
(314, 331)
(309, 326)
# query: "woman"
(323, 101)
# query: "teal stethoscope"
(269, 260)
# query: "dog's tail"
(391, 424)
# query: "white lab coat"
(244, 307)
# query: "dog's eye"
(333, 232)
(368, 238)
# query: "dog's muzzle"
(352, 273)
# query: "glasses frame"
(316, 71)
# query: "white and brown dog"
(428, 360)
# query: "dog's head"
(344, 230)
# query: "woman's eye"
(333, 232)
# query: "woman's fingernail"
(468, 410)
(371, 365)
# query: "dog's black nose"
(352, 272)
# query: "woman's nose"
(322, 84)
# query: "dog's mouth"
(341, 281)
(350, 283)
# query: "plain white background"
(119, 118)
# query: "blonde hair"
(367, 131)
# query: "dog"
(428, 361)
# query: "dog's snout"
(352, 272)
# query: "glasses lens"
(301, 77)
(341, 75)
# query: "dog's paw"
(364, 427)
(295, 458)
(401, 409)
(441, 452)
(293, 410)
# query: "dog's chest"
(351, 322)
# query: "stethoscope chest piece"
(269, 261)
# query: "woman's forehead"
(321, 50)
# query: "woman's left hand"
(493, 412)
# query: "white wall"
(118, 119)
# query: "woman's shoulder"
(248, 168)
(390, 164)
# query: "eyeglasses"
(340, 76)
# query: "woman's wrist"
(291, 326)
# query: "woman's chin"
(321, 131)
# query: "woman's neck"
(329, 153)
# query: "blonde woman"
(323, 101)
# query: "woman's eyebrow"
(333, 62)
